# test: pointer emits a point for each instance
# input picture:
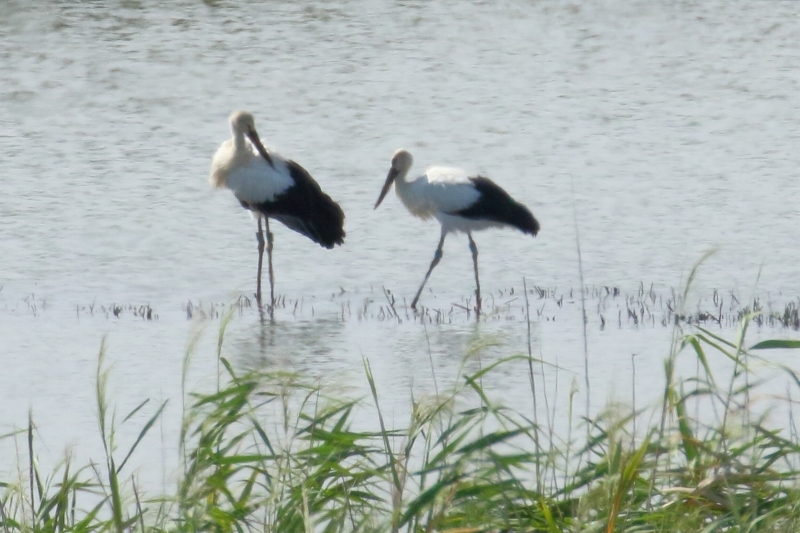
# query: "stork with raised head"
(459, 202)
(270, 186)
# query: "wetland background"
(664, 129)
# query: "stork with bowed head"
(270, 186)
(461, 203)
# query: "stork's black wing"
(497, 205)
(304, 208)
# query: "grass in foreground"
(270, 452)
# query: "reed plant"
(274, 452)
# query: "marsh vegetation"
(272, 451)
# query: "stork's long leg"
(436, 258)
(260, 238)
(269, 259)
(474, 249)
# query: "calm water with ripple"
(663, 128)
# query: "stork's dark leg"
(474, 249)
(436, 258)
(269, 259)
(260, 238)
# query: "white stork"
(270, 186)
(459, 202)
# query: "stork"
(270, 186)
(461, 203)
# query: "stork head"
(401, 163)
(242, 123)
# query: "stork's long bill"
(386, 186)
(253, 136)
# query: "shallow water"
(663, 129)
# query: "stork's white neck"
(239, 141)
(401, 176)
(401, 185)
(404, 190)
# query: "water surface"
(662, 129)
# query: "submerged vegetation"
(611, 307)
(273, 452)
(608, 307)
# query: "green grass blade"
(142, 433)
(788, 344)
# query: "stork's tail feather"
(328, 222)
(324, 224)
(521, 218)
(307, 210)
(497, 205)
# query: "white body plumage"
(248, 175)
(439, 191)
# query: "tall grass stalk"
(584, 318)
(532, 380)
(676, 345)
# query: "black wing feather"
(497, 205)
(304, 208)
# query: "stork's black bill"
(253, 136)
(386, 186)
